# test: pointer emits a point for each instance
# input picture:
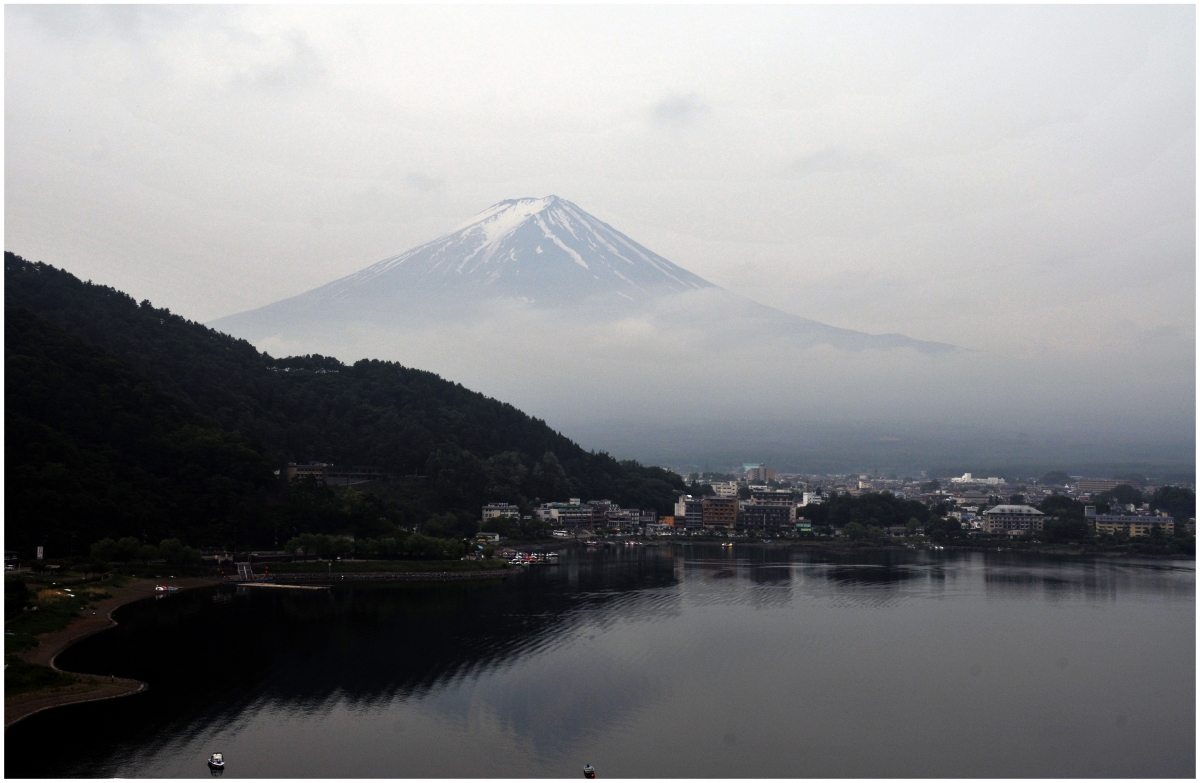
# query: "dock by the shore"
(283, 586)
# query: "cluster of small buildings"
(1024, 520)
(575, 515)
(769, 504)
(769, 510)
(982, 505)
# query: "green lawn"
(372, 566)
(22, 677)
(45, 616)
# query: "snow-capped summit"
(539, 257)
(538, 250)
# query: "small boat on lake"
(216, 761)
(589, 771)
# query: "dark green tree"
(1122, 494)
(1179, 502)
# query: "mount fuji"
(535, 255)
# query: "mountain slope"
(473, 449)
(93, 449)
(544, 254)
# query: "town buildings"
(719, 513)
(572, 514)
(1011, 518)
(494, 510)
(1132, 526)
(690, 509)
(755, 471)
(725, 489)
(1096, 486)
(333, 475)
(773, 519)
(774, 509)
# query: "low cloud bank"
(700, 377)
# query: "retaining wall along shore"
(394, 576)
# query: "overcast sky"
(1006, 178)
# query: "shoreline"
(285, 578)
(91, 687)
(840, 548)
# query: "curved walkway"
(90, 687)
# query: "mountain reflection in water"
(646, 661)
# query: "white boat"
(216, 761)
(589, 771)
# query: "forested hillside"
(466, 448)
(93, 448)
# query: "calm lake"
(673, 661)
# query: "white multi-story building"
(1006, 519)
(494, 510)
(573, 513)
(967, 478)
(725, 489)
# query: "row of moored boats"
(534, 558)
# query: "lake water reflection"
(684, 660)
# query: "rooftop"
(1007, 509)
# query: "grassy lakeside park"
(47, 613)
(37, 605)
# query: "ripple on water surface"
(658, 662)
